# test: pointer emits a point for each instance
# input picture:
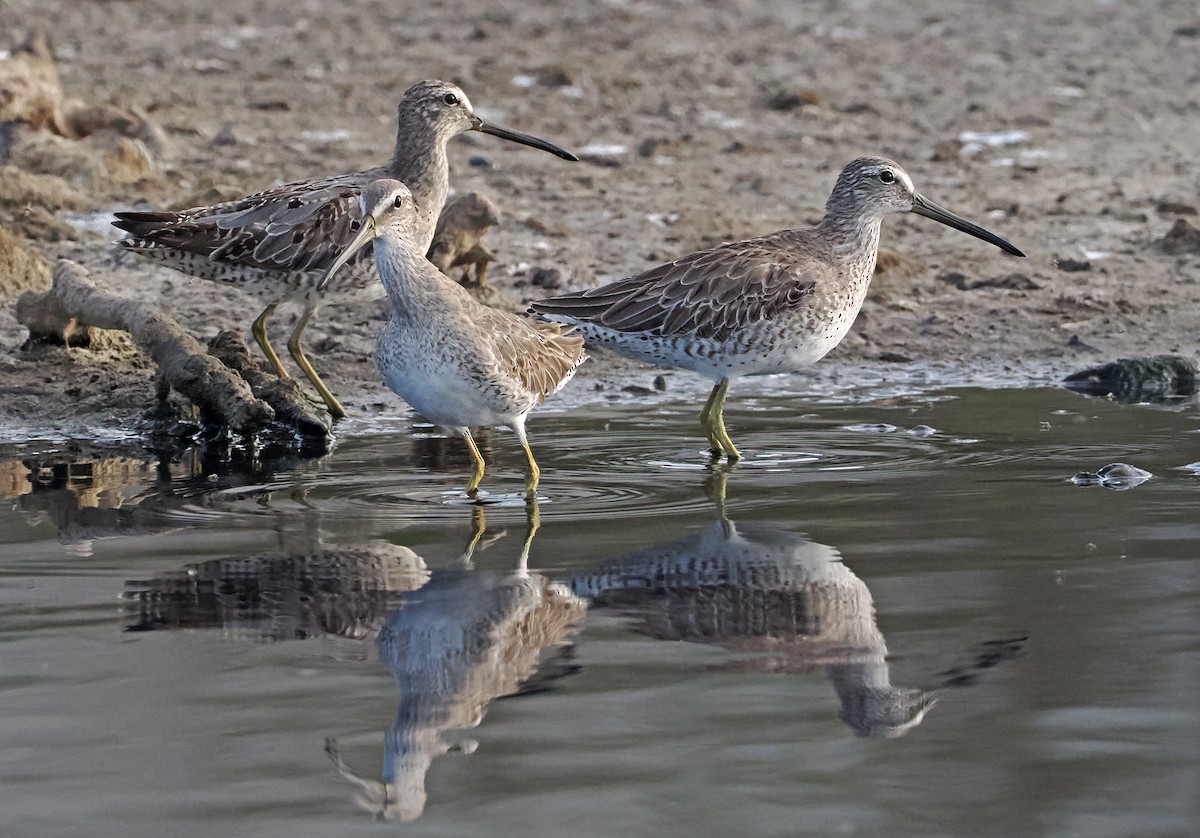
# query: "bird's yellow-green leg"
(479, 524)
(535, 473)
(714, 444)
(533, 520)
(259, 330)
(294, 346)
(473, 483)
(717, 422)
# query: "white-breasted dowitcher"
(279, 243)
(457, 362)
(765, 305)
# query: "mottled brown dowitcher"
(278, 244)
(764, 305)
(457, 362)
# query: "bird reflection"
(465, 638)
(782, 602)
(346, 591)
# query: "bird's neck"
(410, 279)
(420, 163)
(851, 238)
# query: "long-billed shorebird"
(764, 305)
(457, 362)
(278, 244)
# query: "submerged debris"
(1115, 476)
(1137, 379)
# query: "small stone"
(660, 383)
(954, 278)
(478, 161)
(1181, 238)
(553, 76)
(548, 278)
(637, 390)
(547, 228)
(1073, 265)
(894, 358)
(1175, 208)
(1013, 281)
(790, 99)
(225, 137)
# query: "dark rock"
(553, 76)
(893, 358)
(1013, 282)
(791, 99)
(1138, 379)
(1073, 265)
(956, 279)
(478, 161)
(1181, 238)
(1175, 208)
(225, 137)
(637, 390)
(1189, 31)
(548, 278)
(660, 383)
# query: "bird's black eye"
(450, 99)
(398, 202)
(887, 177)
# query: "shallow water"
(903, 619)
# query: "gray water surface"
(903, 619)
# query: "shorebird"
(764, 305)
(457, 362)
(279, 243)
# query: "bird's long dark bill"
(365, 234)
(526, 139)
(924, 206)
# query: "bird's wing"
(709, 294)
(300, 226)
(542, 357)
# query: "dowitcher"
(764, 305)
(279, 243)
(457, 362)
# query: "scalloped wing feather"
(709, 294)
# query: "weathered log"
(220, 394)
(293, 409)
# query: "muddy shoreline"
(1066, 128)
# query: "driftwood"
(293, 409)
(74, 304)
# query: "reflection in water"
(347, 592)
(88, 493)
(455, 638)
(463, 639)
(783, 602)
(80, 496)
